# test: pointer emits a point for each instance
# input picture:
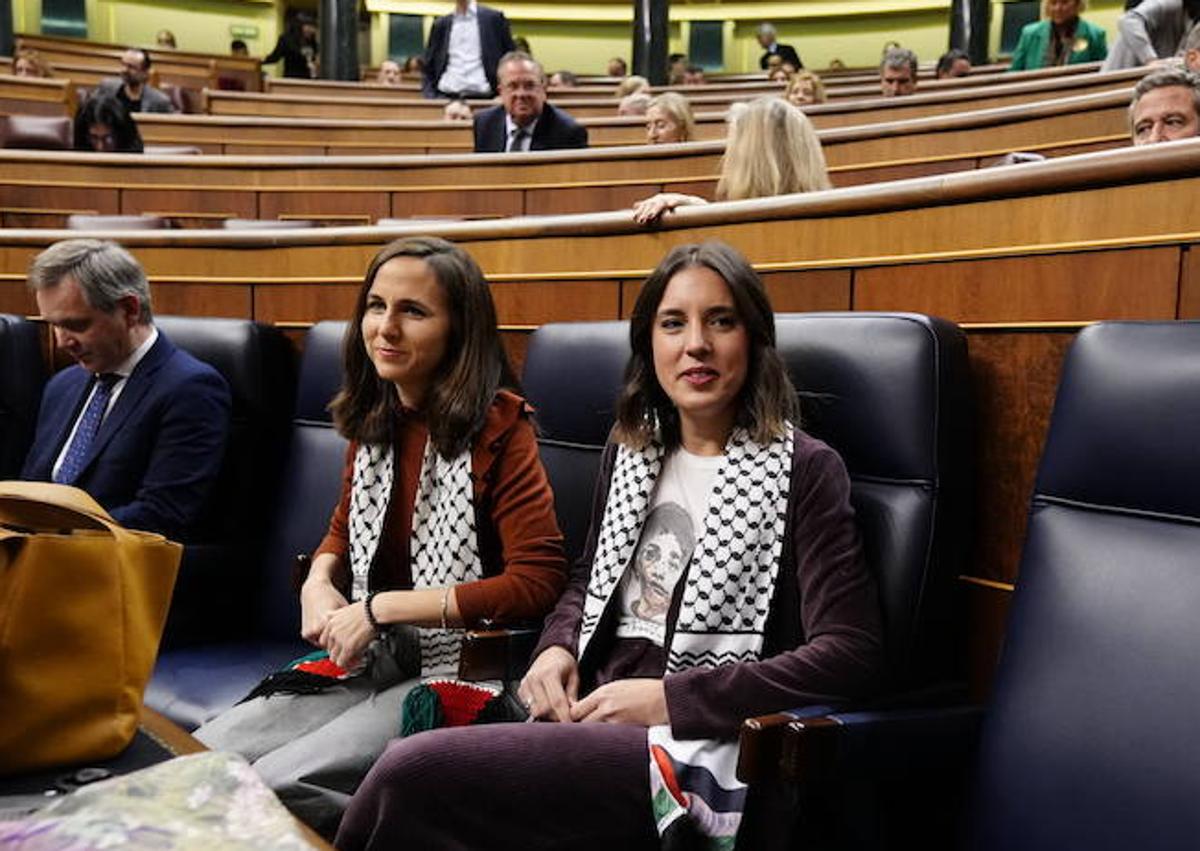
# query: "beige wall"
(578, 36)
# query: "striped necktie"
(85, 432)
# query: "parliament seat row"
(41, 190)
(1084, 743)
(835, 86)
(605, 128)
(282, 473)
(886, 139)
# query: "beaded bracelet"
(445, 606)
(370, 613)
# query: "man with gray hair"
(898, 72)
(524, 121)
(137, 423)
(767, 40)
(1165, 107)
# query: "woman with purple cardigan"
(723, 579)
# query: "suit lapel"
(73, 399)
(136, 386)
(543, 129)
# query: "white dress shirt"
(464, 61)
(521, 144)
(124, 370)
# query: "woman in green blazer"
(1063, 38)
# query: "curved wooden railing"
(40, 189)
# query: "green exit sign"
(243, 31)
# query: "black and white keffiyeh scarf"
(445, 547)
(722, 614)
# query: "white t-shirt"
(673, 525)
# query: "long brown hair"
(465, 383)
(767, 400)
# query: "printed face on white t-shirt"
(657, 565)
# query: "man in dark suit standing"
(524, 121)
(137, 423)
(464, 50)
(766, 39)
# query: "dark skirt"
(497, 786)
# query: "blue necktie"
(85, 433)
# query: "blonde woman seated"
(805, 87)
(29, 63)
(771, 149)
(634, 104)
(632, 84)
(669, 119)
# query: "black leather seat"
(1089, 739)
(35, 132)
(574, 413)
(192, 684)
(225, 548)
(891, 393)
(21, 381)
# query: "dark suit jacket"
(555, 130)
(159, 449)
(786, 52)
(495, 40)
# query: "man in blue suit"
(524, 121)
(137, 423)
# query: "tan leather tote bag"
(82, 607)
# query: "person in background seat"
(1165, 107)
(137, 423)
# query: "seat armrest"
(889, 744)
(761, 742)
(760, 756)
(496, 654)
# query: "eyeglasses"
(521, 86)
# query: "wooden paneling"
(303, 302)
(59, 199)
(1049, 288)
(1014, 377)
(490, 203)
(857, 175)
(192, 299)
(15, 298)
(584, 199)
(357, 207)
(200, 204)
(1189, 285)
(538, 302)
(987, 618)
(516, 344)
(799, 292)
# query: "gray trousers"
(312, 749)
